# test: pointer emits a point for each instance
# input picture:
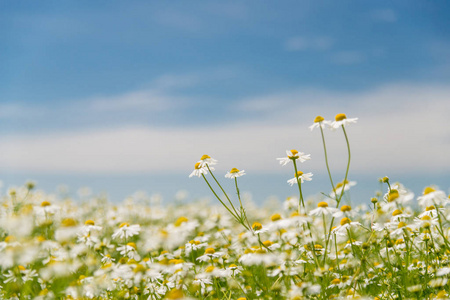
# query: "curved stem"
(228, 198)
(326, 159)
(299, 188)
(348, 166)
(220, 200)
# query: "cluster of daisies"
(393, 246)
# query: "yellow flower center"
(205, 157)
(341, 183)
(209, 269)
(345, 208)
(210, 251)
(233, 266)
(393, 194)
(175, 294)
(299, 173)
(124, 224)
(275, 217)
(89, 222)
(335, 281)
(131, 244)
(397, 212)
(401, 224)
(426, 218)
(345, 221)
(234, 170)
(318, 119)
(428, 190)
(69, 222)
(180, 221)
(257, 226)
(294, 152)
(430, 208)
(267, 243)
(322, 204)
(45, 203)
(340, 117)
(21, 268)
(198, 166)
(140, 269)
(10, 238)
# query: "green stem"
(299, 188)
(348, 166)
(326, 158)
(228, 198)
(220, 200)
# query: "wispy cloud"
(384, 15)
(396, 131)
(348, 57)
(299, 43)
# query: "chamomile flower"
(209, 254)
(431, 197)
(207, 160)
(341, 120)
(300, 176)
(126, 230)
(319, 122)
(323, 209)
(340, 186)
(293, 155)
(344, 226)
(234, 173)
(200, 170)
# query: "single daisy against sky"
(319, 122)
(341, 120)
(300, 176)
(234, 173)
(293, 155)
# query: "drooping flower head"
(234, 173)
(341, 120)
(293, 155)
(207, 160)
(319, 121)
(300, 176)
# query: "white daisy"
(431, 197)
(323, 208)
(319, 121)
(234, 173)
(300, 176)
(293, 155)
(126, 230)
(340, 186)
(200, 169)
(207, 160)
(341, 120)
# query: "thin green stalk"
(228, 198)
(220, 200)
(326, 157)
(299, 188)
(348, 166)
(243, 214)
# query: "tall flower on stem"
(293, 155)
(320, 122)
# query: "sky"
(127, 95)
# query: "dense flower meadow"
(394, 246)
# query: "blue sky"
(133, 87)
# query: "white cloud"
(298, 43)
(143, 100)
(348, 57)
(402, 128)
(384, 15)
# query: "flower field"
(394, 246)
